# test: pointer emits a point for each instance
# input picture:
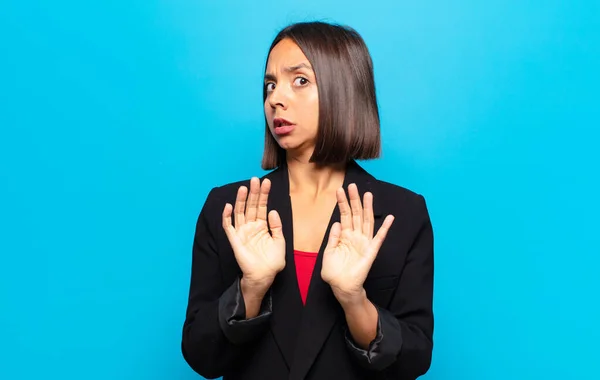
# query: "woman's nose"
(278, 97)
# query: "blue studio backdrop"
(116, 119)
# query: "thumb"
(334, 235)
(234, 240)
(275, 225)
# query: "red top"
(305, 263)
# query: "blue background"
(116, 118)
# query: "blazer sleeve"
(215, 331)
(403, 345)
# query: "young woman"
(317, 270)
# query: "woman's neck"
(312, 179)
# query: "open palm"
(260, 254)
(351, 248)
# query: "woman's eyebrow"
(289, 69)
(298, 67)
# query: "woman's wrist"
(253, 294)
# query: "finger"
(252, 206)
(345, 213)
(265, 187)
(233, 238)
(382, 233)
(368, 218)
(240, 206)
(356, 207)
(334, 235)
(227, 226)
(275, 225)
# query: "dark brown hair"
(348, 113)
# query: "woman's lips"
(282, 126)
(284, 129)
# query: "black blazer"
(288, 340)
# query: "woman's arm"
(403, 343)
(216, 330)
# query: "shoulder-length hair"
(348, 112)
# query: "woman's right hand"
(260, 254)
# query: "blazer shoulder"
(229, 190)
(397, 198)
(400, 193)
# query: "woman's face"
(292, 102)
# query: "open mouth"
(282, 126)
(279, 122)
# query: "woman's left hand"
(351, 248)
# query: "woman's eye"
(300, 81)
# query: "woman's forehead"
(286, 54)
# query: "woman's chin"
(295, 145)
(288, 143)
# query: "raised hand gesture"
(260, 254)
(351, 248)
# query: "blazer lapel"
(287, 302)
(322, 309)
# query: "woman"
(291, 278)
